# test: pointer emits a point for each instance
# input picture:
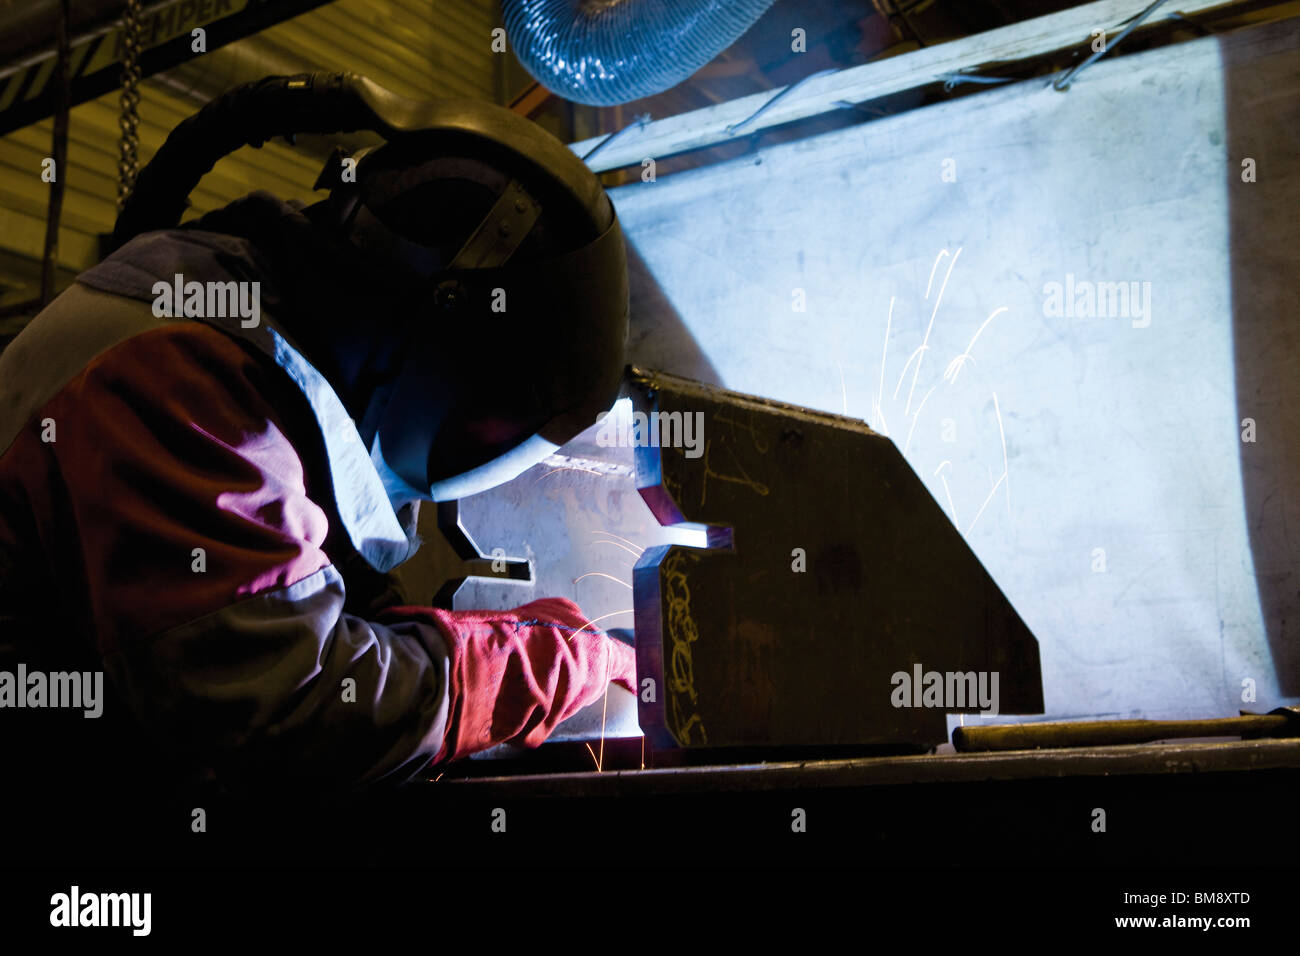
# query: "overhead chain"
(128, 163)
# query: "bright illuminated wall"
(1090, 449)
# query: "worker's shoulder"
(97, 342)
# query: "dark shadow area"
(659, 338)
(1261, 69)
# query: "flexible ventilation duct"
(603, 52)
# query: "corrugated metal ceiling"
(418, 48)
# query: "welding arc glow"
(566, 468)
(689, 534)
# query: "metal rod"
(54, 210)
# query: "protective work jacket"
(181, 498)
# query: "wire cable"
(1063, 83)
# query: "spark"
(925, 341)
(1005, 471)
(602, 574)
(604, 708)
(908, 443)
(613, 535)
(937, 259)
(950, 373)
(946, 491)
(643, 751)
(883, 424)
(992, 491)
(1003, 435)
(906, 365)
(884, 353)
(593, 755)
(631, 551)
(595, 619)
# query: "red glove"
(517, 674)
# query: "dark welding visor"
(534, 353)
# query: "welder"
(206, 500)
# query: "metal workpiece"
(836, 604)
(573, 527)
(780, 566)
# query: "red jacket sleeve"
(185, 506)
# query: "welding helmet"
(514, 301)
(499, 252)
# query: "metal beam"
(1016, 42)
(27, 90)
(747, 650)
